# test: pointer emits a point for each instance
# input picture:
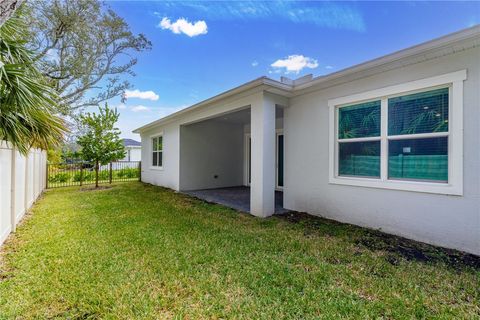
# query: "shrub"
(102, 175)
(59, 177)
(87, 176)
(127, 173)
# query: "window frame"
(454, 186)
(151, 151)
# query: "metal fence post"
(26, 171)
(81, 174)
(110, 173)
(139, 170)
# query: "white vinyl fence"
(22, 180)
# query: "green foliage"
(101, 141)
(82, 45)
(27, 104)
(60, 177)
(85, 176)
(128, 173)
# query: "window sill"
(412, 186)
(156, 168)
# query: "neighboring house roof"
(451, 43)
(131, 143)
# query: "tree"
(100, 141)
(27, 104)
(7, 8)
(83, 46)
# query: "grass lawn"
(139, 251)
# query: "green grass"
(139, 251)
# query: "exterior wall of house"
(133, 154)
(168, 176)
(211, 155)
(445, 220)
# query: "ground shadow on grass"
(395, 247)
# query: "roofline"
(419, 49)
(416, 50)
(244, 87)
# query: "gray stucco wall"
(209, 149)
(451, 221)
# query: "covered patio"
(237, 198)
(236, 157)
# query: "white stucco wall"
(450, 221)
(209, 149)
(168, 176)
(132, 154)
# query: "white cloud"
(295, 63)
(146, 95)
(254, 63)
(328, 67)
(183, 26)
(140, 108)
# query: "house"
(390, 144)
(133, 150)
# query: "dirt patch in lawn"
(395, 247)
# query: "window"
(418, 136)
(157, 151)
(404, 137)
(359, 140)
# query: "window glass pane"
(154, 158)
(154, 144)
(360, 120)
(359, 159)
(423, 112)
(160, 159)
(418, 159)
(160, 143)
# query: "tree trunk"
(96, 174)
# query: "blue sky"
(203, 48)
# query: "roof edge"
(419, 49)
(415, 50)
(241, 88)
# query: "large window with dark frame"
(157, 151)
(414, 130)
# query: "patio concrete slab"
(237, 198)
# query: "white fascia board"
(438, 44)
(470, 35)
(270, 83)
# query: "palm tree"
(27, 104)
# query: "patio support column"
(262, 192)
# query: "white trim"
(399, 89)
(363, 139)
(419, 136)
(454, 81)
(150, 150)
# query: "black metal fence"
(78, 174)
